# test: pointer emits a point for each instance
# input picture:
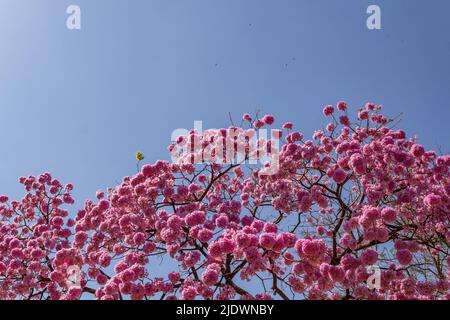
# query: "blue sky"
(80, 103)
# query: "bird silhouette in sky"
(286, 64)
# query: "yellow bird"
(139, 156)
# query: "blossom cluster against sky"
(80, 103)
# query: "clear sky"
(80, 103)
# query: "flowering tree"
(360, 202)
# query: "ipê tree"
(358, 212)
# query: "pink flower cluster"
(358, 194)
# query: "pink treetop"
(358, 194)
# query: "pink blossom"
(74, 293)
(357, 163)
(81, 237)
(267, 240)
(105, 260)
(369, 257)
(139, 238)
(432, 200)
(247, 117)
(188, 293)
(344, 120)
(417, 150)
(336, 273)
(204, 235)
(389, 214)
(342, 106)
(195, 218)
(339, 176)
(210, 276)
(102, 279)
(215, 249)
(268, 119)
(404, 256)
(259, 123)
(328, 110)
(227, 245)
(222, 221)
(363, 115)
